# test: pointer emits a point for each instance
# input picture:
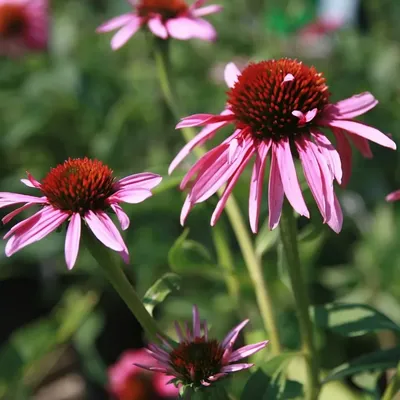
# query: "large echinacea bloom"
(128, 381)
(198, 360)
(78, 189)
(164, 18)
(23, 26)
(278, 108)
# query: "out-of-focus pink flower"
(78, 189)
(23, 26)
(164, 18)
(394, 196)
(279, 108)
(198, 360)
(130, 382)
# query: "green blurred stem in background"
(121, 284)
(288, 231)
(394, 386)
(253, 264)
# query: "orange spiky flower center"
(166, 8)
(197, 360)
(262, 101)
(13, 20)
(79, 185)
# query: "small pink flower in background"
(164, 18)
(198, 360)
(23, 26)
(394, 196)
(278, 108)
(130, 382)
(78, 189)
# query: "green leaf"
(379, 360)
(160, 290)
(352, 319)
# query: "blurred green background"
(82, 99)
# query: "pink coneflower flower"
(23, 26)
(129, 382)
(394, 196)
(79, 189)
(278, 108)
(164, 18)
(198, 360)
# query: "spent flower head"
(278, 108)
(164, 18)
(198, 361)
(79, 189)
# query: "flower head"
(198, 360)
(278, 108)
(128, 382)
(164, 18)
(23, 26)
(79, 189)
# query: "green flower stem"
(288, 231)
(253, 264)
(119, 281)
(394, 386)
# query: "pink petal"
(275, 194)
(288, 175)
(364, 131)
(12, 214)
(115, 23)
(157, 27)
(211, 9)
(121, 215)
(145, 180)
(362, 145)
(231, 337)
(288, 78)
(37, 229)
(233, 150)
(184, 28)
(345, 153)
(72, 240)
(204, 119)
(196, 322)
(31, 181)
(7, 199)
(231, 74)
(394, 196)
(131, 196)
(205, 134)
(235, 367)
(247, 351)
(101, 231)
(126, 32)
(256, 184)
(187, 206)
(336, 220)
(350, 108)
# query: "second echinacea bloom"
(278, 108)
(164, 18)
(75, 191)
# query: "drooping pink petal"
(72, 240)
(336, 220)
(145, 180)
(45, 224)
(256, 184)
(31, 181)
(275, 194)
(235, 367)
(231, 337)
(362, 145)
(205, 134)
(345, 153)
(187, 206)
(12, 214)
(121, 215)
(247, 351)
(394, 196)
(101, 231)
(184, 28)
(157, 26)
(233, 150)
(131, 196)
(115, 23)
(7, 199)
(350, 108)
(288, 176)
(211, 9)
(231, 74)
(365, 131)
(204, 119)
(126, 32)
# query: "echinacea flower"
(164, 18)
(128, 381)
(197, 360)
(23, 26)
(79, 189)
(278, 108)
